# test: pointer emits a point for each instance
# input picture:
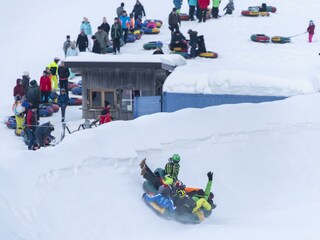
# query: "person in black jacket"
(174, 20)
(34, 95)
(193, 42)
(116, 34)
(63, 73)
(138, 10)
(96, 45)
(25, 82)
(82, 41)
(105, 25)
(43, 134)
(178, 41)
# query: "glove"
(209, 174)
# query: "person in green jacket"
(172, 167)
(215, 8)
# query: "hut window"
(127, 99)
(96, 99)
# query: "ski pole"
(297, 35)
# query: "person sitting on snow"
(178, 41)
(263, 7)
(172, 167)
(229, 7)
(184, 203)
(163, 200)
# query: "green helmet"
(175, 158)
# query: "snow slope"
(264, 156)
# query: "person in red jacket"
(18, 90)
(310, 30)
(105, 116)
(45, 87)
(31, 125)
(203, 5)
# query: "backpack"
(53, 71)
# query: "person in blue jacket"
(125, 22)
(163, 200)
(192, 7)
(177, 5)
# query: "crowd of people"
(171, 194)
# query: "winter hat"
(106, 103)
(93, 37)
(174, 9)
(33, 82)
(18, 98)
(200, 193)
(56, 59)
(189, 31)
(311, 21)
(122, 4)
(68, 36)
(62, 90)
(26, 73)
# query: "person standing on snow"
(63, 101)
(103, 39)
(86, 26)
(25, 82)
(177, 5)
(82, 41)
(120, 10)
(18, 90)
(34, 95)
(193, 42)
(125, 22)
(310, 30)
(66, 45)
(116, 34)
(45, 87)
(96, 45)
(53, 67)
(138, 10)
(64, 74)
(203, 6)
(215, 8)
(229, 7)
(192, 7)
(174, 20)
(105, 26)
(31, 126)
(18, 111)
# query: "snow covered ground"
(264, 156)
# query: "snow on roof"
(170, 59)
(202, 79)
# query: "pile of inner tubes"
(269, 9)
(157, 22)
(77, 91)
(72, 85)
(278, 39)
(75, 101)
(55, 107)
(183, 54)
(208, 54)
(151, 30)
(248, 13)
(152, 45)
(184, 17)
(11, 122)
(45, 111)
(261, 38)
(131, 38)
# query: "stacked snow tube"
(11, 122)
(208, 54)
(72, 85)
(45, 111)
(183, 54)
(77, 91)
(75, 101)
(55, 107)
(269, 9)
(184, 17)
(260, 38)
(151, 30)
(131, 38)
(248, 13)
(278, 39)
(157, 22)
(152, 45)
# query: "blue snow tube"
(11, 122)
(75, 101)
(45, 111)
(77, 91)
(131, 38)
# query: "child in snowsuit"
(63, 101)
(310, 30)
(163, 200)
(229, 7)
(172, 167)
(18, 111)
